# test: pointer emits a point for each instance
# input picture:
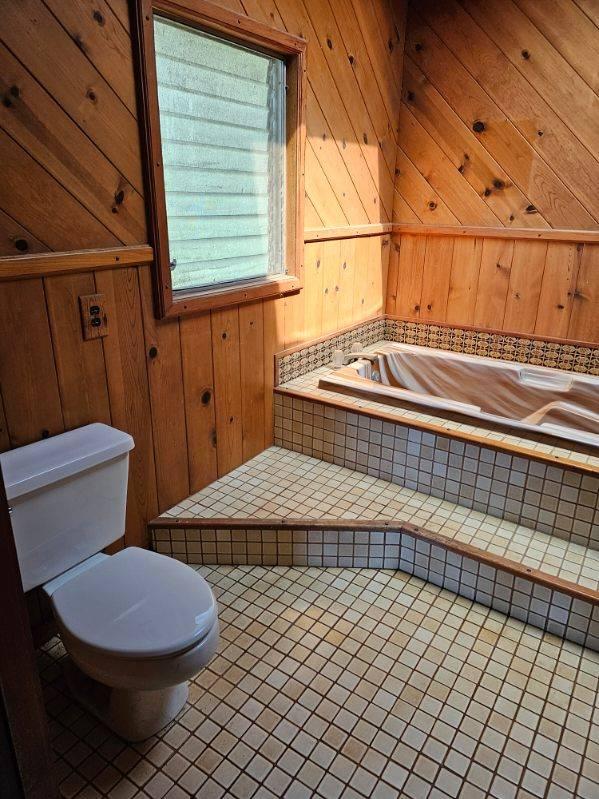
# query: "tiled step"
(283, 508)
(548, 491)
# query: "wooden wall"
(499, 128)
(545, 288)
(527, 72)
(195, 393)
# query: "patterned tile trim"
(555, 500)
(538, 352)
(549, 609)
(320, 353)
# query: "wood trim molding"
(378, 525)
(347, 232)
(60, 263)
(533, 234)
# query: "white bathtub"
(549, 401)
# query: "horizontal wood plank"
(60, 263)
(534, 234)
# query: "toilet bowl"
(139, 624)
(136, 625)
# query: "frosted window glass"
(222, 122)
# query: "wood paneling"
(528, 287)
(499, 129)
(502, 95)
(68, 90)
(195, 393)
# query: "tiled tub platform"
(539, 482)
(284, 508)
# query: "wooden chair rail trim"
(377, 525)
(59, 263)
(347, 232)
(534, 234)
(439, 429)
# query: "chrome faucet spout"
(358, 356)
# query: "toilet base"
(131, 714)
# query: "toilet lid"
(137, 603)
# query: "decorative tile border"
(527, 599)
(535, 351)
(559, 501)
(306, 358)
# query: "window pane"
(222, 115)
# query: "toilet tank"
(68, 496)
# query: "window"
(224, 149)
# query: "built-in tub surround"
(575, 357)
(284, 508)
(558, 498)
(541, 481)
(533, 398)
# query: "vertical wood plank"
(463, 282)
(584, 322)
(313, 289)
(198, 386)
(293, 318)
(251, 347)
(435, 278)
(331, 264)
(227, 389)
(393, 275)
(493, 283)
(273, 342)
(163, 358)
(28, 377)
(526, 277)
(371, 254)
(124, 354)
(556, 299)
(79, 364)
(348, 274)
(409, 285)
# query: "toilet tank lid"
(42, 463)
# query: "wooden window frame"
(245, 31)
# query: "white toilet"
(137, 625)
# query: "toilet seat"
(136, 605)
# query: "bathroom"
(299, 420)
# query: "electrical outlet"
(93, 316)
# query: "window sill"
(189, 302)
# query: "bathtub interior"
(550, 401)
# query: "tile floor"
(283, 484)
(542, 444)
(353, 683)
